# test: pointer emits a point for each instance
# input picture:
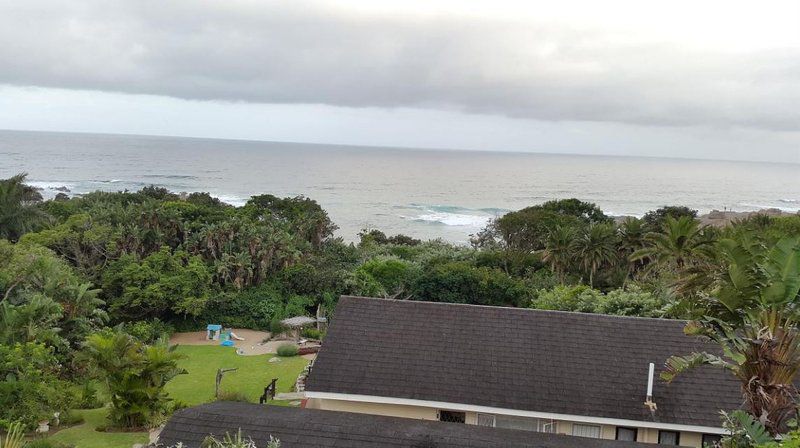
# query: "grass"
(85, 436)
(253, 376)
(197, 387)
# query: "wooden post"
(220, 372)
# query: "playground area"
(251, 343)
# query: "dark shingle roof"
(310, 428)
(547, 361)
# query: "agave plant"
(753, 317)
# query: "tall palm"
(752, 314)
(558, 251)
(632, 232)
(19, 212)
(595, 247)
(682, 242)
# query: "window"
(485, 420)
(668, 437)
(580, 430)
(711, 440)
(628, 434)
(525, 423)
(452, 416)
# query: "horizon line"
(401, 148)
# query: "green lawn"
(202, 362)
(253, 375)
(84, 435)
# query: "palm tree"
(752, 314)
(682, 242)
(632, 232)
(557, 249)
(19, 212)
(595, 247)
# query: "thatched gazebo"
(297, 323)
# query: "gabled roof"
(518, 359)
(311, 428)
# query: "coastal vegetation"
(91, 284)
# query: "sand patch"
(252, 344)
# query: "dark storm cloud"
(300, 52)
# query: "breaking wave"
(451, 215)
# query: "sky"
(711, 79)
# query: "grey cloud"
(302, 52)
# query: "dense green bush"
(460, 282)
(148, 331)
(312, 333)
(395, 276)
(163, 283)
(31, 389)
(251, 308)
(135, 375)
(632, 301)
(87, 396)
(287, 350)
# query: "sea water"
(422, 193)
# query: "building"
(309, 428)
(544, 371)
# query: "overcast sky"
(708, 79)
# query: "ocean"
(422, 193)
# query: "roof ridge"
(513, 308)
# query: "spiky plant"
(752, 314)
(14, 438)
(19, 211)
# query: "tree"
(31, 389)
(752, 314)
(528, 228)
(558, 250)
(19, 208)
(135, 375)
(654, 220)
(43, 300)
(682, 242)
(632, 233)
(303, 216)
(595, 247)
(460, 282)
(393, 275)
(161, 283)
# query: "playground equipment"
(233, 336)
(213, 331)
(226, 339)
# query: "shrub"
(70, 418)
(135, 375)
(148, 331)
(568, 298)
(30, 389)
(312, 333)
(287, 350)
(276, 327)
(87, 396)
(460, 282)
(621, 302)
